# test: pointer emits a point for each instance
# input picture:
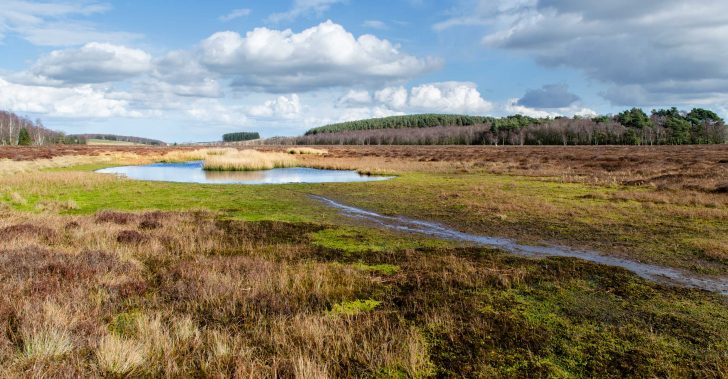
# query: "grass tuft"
(120, 356)
(48, 342)
(351, 308)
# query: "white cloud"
(375, 24)
(449, 97)
(392, 97)
(92, 63)
(282, 107)
(303, 8)
(78, 102)
(180, 73)
(439, 97)
(325, 55)
(355, 97)
(513, 107)
(56, 23)
(654, 50)
(235, 13)
(214, 112)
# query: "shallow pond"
(192, 172)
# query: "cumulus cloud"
(56, 23)
(282, 106)
(179, 72)
(548, 96)
(303, 8)
(392, 97)
(514, 107)
(657, 49)
(449, 97)
(439, 97)
(83, 101)
(325, 55)
(92, 63)
(355, 97)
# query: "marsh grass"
(202, 296)
(195, 294)
(248, 160)
(307, 150)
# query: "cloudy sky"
(191, 70)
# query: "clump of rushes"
(248, 160)
(351, 308)
(307, 150)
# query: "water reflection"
(192, 172)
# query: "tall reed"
(248, 160)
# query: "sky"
(184, 71)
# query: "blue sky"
(190, 70)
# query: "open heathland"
(105, 276)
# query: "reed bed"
(307, 150)
(248, 160)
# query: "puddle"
(192, 172)
(647, 271)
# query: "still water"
(192, 172)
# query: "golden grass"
(47, 343)
(116, 355)
(307, 150)
(248, 160)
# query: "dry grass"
(307, 150)
(120, 356)
(248, 160)
(189, 294)
(74, 290)
(199, 296)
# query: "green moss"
(357, 240)
(125, 324)
(351, 308)
(385, 269)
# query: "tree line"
(18, 130)
(114, 137)
(407, 121)
(240, 136)
(631, 127)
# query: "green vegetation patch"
(383, 268)
(351, 308)
(358, 240)
(125, 324)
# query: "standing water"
(647, 271)
(192, 172)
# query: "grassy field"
(101, 276)
(104, 142)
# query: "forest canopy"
(631, 127)
(240, 136)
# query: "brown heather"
(192, 294)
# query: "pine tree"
(24, 138)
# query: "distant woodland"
(240, 136)
(117, 138)
(18, 130)
(631, 127)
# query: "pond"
(192, 172)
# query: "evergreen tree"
(24, 138)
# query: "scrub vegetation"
(631, 127)
(102, 276)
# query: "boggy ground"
(192, 294)
(105, 276)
